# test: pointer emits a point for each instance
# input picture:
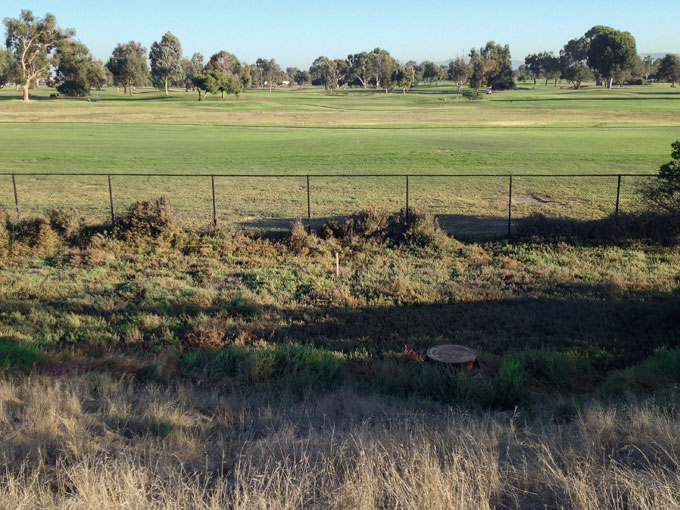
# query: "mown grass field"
(429, 131)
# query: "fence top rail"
(301, 176)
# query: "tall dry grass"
(94, 442)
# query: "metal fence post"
(309, 208)
(407, 197)
(113, 215)
(16, 197)
(618, 194)
(510, 209)
(212, 179)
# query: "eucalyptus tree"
(166, 61)
(610, 51)
(459, 71)
(128, 66)
(31, 42)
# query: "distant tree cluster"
(604, 54)
(38, 50)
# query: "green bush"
(472, 94)
(660, 372)
(73, 88)
(663, 194)
(19, 358)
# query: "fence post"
(407, 197)
(618, 195)
(113, 215)
(16, 197)
(510, 209)
(309, 208)
(212, 179)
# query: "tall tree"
(649, 66)
(610, 51)
(669, 69)
(192, 68)
(7, 67)
(359, 67)
(269, 71)
(128, 66)
(31, 42)
(302, 77)
(226, 62)
(381, 65)
(551, 67)
(430, 71)
(534, 65)
(459, 72)
(492, 65)
(404, 77)
(324, 71)
(75, 70)
(573, 62)
(166, 61)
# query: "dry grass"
(102, 443)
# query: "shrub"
(155, 220)
(73, 88)
(34, 233)
(661, 371)
(66, 222)
(472, 94)
(19, 358)
(663, 194)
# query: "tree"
(430, 71)
(381, 67)
(492, 64)
(269, 71)
(166, 61)
(551, 67)
(342, 71)
(534, 65)
(324, 71)
(669, 69)
(75, 70)
(404, 77)
(225, 62)
(208, 82)
(664, 192)
(610, 51)
(302, 77)
(128, 66)
(6, 68)
(191, 68)
(459, 72)
(649, 66)
(573, 58)
(359, 67)
(31, 42)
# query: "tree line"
(603, 54)
(37, 49)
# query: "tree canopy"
(669, 69)
(166, 61)
(128, 66)
(31, 41)
(610, 51)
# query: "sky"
(297, 32)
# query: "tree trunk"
(610, 82)
(25, 87)
(166, 86)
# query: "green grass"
(547, 130)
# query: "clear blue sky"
(296, 32)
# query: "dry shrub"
(299, 239)
(35, 235)
(66, 222)
(151, 220)
(416, 229)
(210, 334)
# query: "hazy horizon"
(297, 34)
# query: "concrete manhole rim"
(452, 354)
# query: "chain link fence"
(466, 205)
